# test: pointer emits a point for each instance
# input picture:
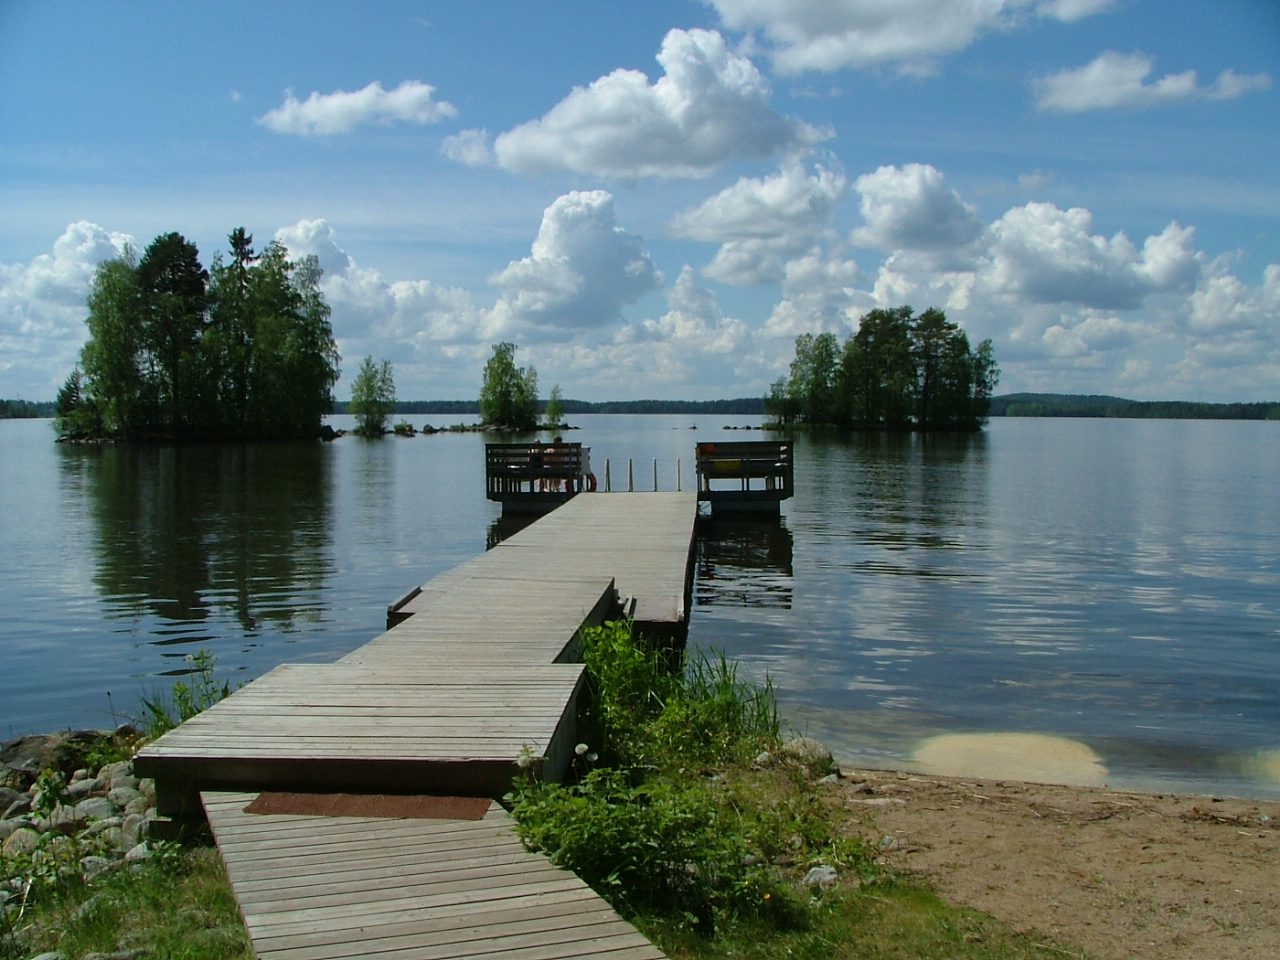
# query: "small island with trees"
(898, 372)
(241, 351)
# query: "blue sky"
(654, 199)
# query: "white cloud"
(1115, 80)
(709, 106)
(408, 321)
(469, 147)
(761, 223)
(338, 112)
(818, 295)
(1042, 254)
(804, 35)
(913, 208)
(582, 269)
(42, 309)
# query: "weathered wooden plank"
(403, 890)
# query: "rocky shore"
(71, 805)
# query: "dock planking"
(322, 888)
(477, 676)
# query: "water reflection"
(198, 534)
(506, 526)
(743, 562)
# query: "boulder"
(809, 751)
(21, 843)
(821, 876)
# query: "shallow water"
(1114, 583)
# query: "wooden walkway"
(478, 676)
(314, 888)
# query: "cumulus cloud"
(762, 222)
(1117, 80)
(42, 309)
(341, 111)
(818, 295)
(469, 147)
(709, 106)
(581, 270)
(368, 307)
(1046, 255)
(802, 35)
(913, 208)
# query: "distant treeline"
(1074, 405)
(744, 405)
(25, 409)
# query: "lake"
(1109, 586)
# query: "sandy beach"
(1118, 874)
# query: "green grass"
(176, 906)
(689, 817)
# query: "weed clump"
(676, 820)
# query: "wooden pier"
(741, 477)
(477, 676)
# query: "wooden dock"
(477, 677)
(314, 887)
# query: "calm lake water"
(1113, 583)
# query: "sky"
(654, 199)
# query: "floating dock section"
(477, 676)
(750, 477)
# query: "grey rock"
(830, 778)
(763, 757)
(92, 866)
(19, 807)
(21, 843)
(138, 806)
(809, 751)
(51, 955)
(96, 808)
(138, 853)
(112, 770)
(8, 797)
(123, 796)
(134, 830)
(80, 789)
(821, 876)
(7, 827)
(81, 774)
(861, 787)
(147, 787)
(123, 779)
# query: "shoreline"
(1119, 873)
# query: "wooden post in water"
(631, 476)
(655, 474)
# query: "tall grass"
(666, 825)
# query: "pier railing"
(534, 476)
(755, 475)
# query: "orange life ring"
(591, 483)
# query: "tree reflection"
(744, 562)
(198, 533)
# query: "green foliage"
(176, 905)
(509, 394)
(678, 822)
(897, 372)
(75, 415)
(553, 416)
(174, 351)
(373, 397)
(201, 690)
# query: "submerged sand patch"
(1032, 757)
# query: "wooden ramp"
(314, 888)
(478, 677)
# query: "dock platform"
(319, 887)
(477, 677)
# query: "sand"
(1118, 874)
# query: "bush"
(681, 822)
